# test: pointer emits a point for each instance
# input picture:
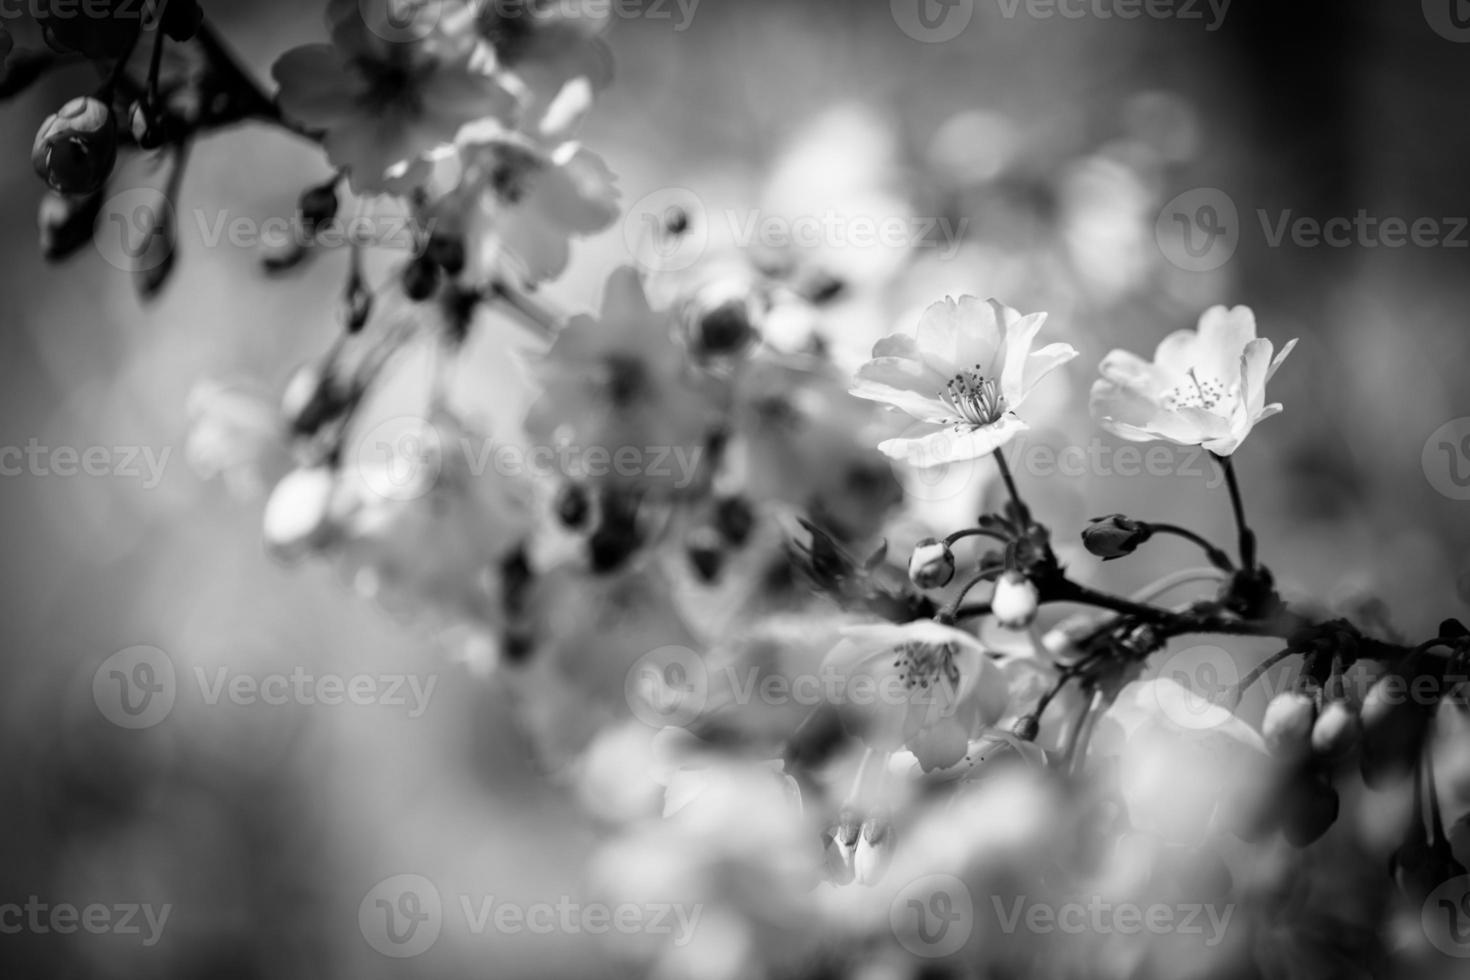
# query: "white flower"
(964, 376)
(382, 104)
(1204, 388)
(922, 685)
(517, 205)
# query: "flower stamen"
(922, 664)
(975, 399)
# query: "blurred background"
(1059, 141)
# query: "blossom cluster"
(964, 749)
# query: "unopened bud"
(1337, 730)
(1114, 536)
(874, 851)
(1287, 725)
(66, 223)
(932, 564)
(297, 515)
(318, 205)
(1014, 601)
(76, 148)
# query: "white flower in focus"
(1205, 387)
(920, 685)
(964, 376)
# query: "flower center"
(1205, 394)
(922, 664)
(975, 399)
(623, 380)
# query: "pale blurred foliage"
(265, 826)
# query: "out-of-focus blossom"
(798, 438)
(515, 207)
(424, 523)
(738, 862)
(235, 434)
(547, 45)
(1180, 757)
(1205, 387)
(964, 377)
(586, 637)
(381, 101)
(620, 405)
(920, 685)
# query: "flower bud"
(1114, 536)
(1287, 725)
(1311, 812)
(932, 564)
(840, 845)
(76, 148)
(318, 205)
(1395, 725)
(420, 279)
(297, 516)
(874, 851)
(66, 223)
(1336, 731)
(1014, 601)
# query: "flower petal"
(948, 445)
